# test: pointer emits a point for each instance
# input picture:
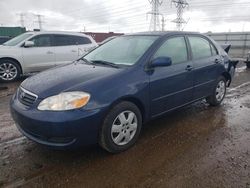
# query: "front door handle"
(189, 68)
(73, 51)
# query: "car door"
(65, 49)
(205, 61)
(41, 56)
(172, 86)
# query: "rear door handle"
(73, 51)
(189, 68)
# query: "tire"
(219, 92)
(119, 132)
(9, 70)
(248, 64)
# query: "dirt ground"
(196, 146)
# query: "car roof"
(163, 33)
(58, 32)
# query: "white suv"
(36, 51)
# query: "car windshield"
(124, 50)
(17, 40)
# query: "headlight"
(65, 101)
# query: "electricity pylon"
(155, 22)
(180, 5)
(21, 19)
(39, 21)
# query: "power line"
(116, 13)
(130, 14)
(112, 7)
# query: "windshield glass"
(17, 40)
(122, 50)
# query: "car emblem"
(22, 95)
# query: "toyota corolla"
(106, 96)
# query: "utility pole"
(21, 19)
(39, 21)
(180, 5)
(163, 23)
(154, 22)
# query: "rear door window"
(61, 40)
(175, 48)
(69, 40)
(200, 47)
(81, 40)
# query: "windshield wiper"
(105, 63)
(84, 60)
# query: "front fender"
(133, 84)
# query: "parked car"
(36, 51)
(106, 96)
(4, 39)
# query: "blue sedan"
(106, 96)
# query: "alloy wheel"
(220, 90)
(124, 128)
(8, 71)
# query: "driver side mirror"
(161, 62)
(28, 44)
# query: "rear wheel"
(219, 92)
(9, 70)
(121, 127)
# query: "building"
(11, 31)
(99, 37)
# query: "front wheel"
(9, 70)
(121, 127)
(219, 92)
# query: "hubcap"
(8, 71)
(220, 90)
(124, 128)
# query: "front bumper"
(61, 130)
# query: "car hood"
(3, 47)
(67, 78)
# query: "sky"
(125, 16)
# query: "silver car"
(36, 51)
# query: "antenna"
(180, 5)
(155, 22)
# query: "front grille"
(25, 97)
